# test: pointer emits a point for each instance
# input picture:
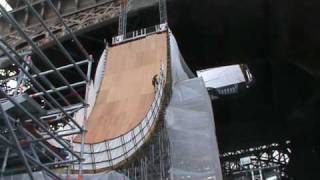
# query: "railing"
(139, 34)
(111, 152)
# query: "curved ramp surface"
(126, 92)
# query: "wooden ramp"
(126, 91)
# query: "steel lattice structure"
(75, 21)
(153, 161)
(275, 155)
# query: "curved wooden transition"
(126, 92)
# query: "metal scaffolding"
(153, 160)
(32, 137)
(260, 159)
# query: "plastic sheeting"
(100, 71)
(39, 175)
(177, 66)
(113, 175)
(190, 124)
(92, 94)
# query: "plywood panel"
(126, 92)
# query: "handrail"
(113, 151)
(133, 35)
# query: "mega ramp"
(127, 104)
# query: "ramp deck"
(126, 91)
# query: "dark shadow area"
(280, 43)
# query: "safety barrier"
(139, 34)
(111, 152)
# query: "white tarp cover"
(190, 125)
(222, 76)
(100, 71)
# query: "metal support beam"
(82, 49)
(12, 21)
(60, 68)
(4, 46)
(33, 138)
(32, 160)
(58, 136)
(85, 116)
(64, 51)
(16, 142)
(42, 88)
(4, 163)
(154, 161)
(20, 54)
(31, 146)
(37, 122)
(59, 89)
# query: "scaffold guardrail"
(133, 35)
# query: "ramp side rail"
(133, 35)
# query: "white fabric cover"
(100, 71)
(190, 125)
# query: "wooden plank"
(126, 92)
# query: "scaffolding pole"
(64, 51)
(32, 160)
(16, 142)
(41, 87)
(75, 39)
(4, 163)
(37, 122)
(122, 29)
(4, 46)
(85, 117)
(40, 53)
(34, 138)
(152, 161)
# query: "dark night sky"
(280, 41)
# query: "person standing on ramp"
(155, 82)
